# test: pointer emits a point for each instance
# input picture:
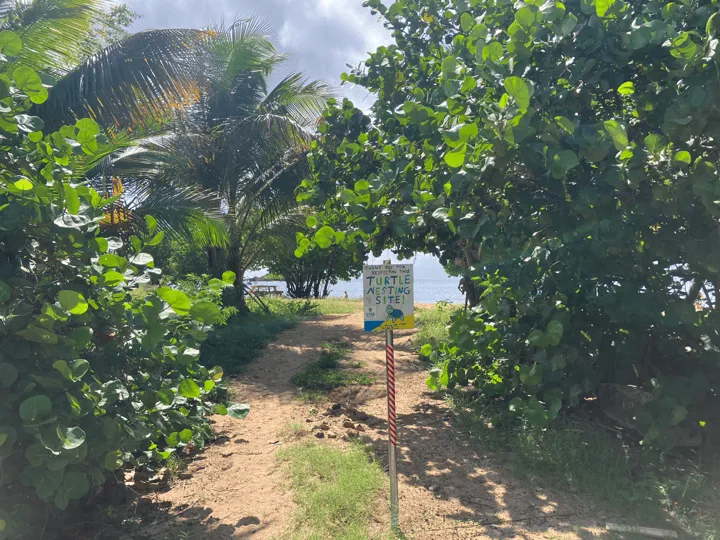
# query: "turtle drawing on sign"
(394, 314)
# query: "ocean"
(427, 290)
(432, 284)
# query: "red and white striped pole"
(392, 429)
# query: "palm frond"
(187, 213)
(145, 76)
(298, 98)
(53, 32)
(245, 46)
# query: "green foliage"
(326, 374)
(432, 327)
(309, 276)
(95, 375)
(564, 154)
(335, 490)
(243, 338)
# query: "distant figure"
(346, 297)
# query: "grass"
(432, 324)
(244, 337)
(335, 491)
(575, 454)
(324, 375)
(294, 430)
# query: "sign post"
(389, 305)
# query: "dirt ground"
(237, 488)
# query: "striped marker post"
(392, 430)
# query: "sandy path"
(236, 489)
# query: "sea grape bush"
(565, 155)
(95, 375)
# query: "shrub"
(564, 155)
(95, 375)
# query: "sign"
(388, 297)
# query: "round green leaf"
(186, 435)
(142, 259)
(554, 332)
(27, 80)
(229, 277)
(114, 460)
(110, 260)
(655, 143)
(5, 292)
(172, 439)
(75, 485)
(177, 300)
(10, 43)
(618, 132)
(29, 123)
(89, 125)
(456, 158)
(206, 312)
(71, 437)
(219, 409)
(35, 408)
(325, 237)
(73, 301)
(239, 410)
(683, 157)
(426, 350)
(189, 389)
(208, 386)
(23, 185)
(216, 373)
(519, 89)
(36, 454)
(166, 396)
(537, 338)
(627, 88)
(564, 161)
(39, 335)
(8, 375)
(113, 278)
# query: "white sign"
(388, 292)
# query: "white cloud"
(321, 36)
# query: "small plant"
(294, 430)
(322, 376)
(335, 490)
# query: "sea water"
(427, 290)
(432, 284)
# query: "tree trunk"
(469, 288)
(316, 288)
(233, 261)
(325, 288)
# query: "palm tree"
(241, 140)
(137, 78)
(130, 88)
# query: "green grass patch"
(433, 324)
(327, 374)
(315, 308)
(335, 491)
(574, 454)
(243, 339)
(245, 336)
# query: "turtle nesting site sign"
(388, 297)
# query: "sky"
(320, 36)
